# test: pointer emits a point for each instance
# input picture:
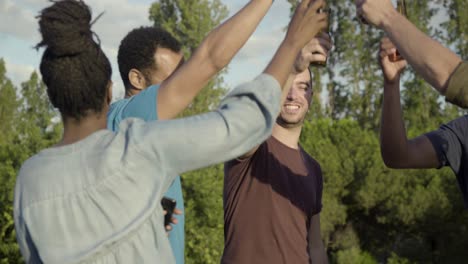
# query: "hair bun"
(65, 27)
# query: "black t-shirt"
(450, 142)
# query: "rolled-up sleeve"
(449, 141)
(26, 246)
(457, 89)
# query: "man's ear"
(137, 79)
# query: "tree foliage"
(371, 214)
(26, 117)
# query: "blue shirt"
(143, 105)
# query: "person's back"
(98, 199)
(99, 211)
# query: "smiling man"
(273, 194)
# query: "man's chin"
(288, 123)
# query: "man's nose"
(292, 94)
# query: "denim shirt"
(98, 200)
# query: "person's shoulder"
(250, 156)
(309, 159)
(460, 120)
(31, 165)
(312, 160)
(131, 125)
(31, 177)
(455, 131)
(116, 106)
(458, 125)
(141, 105)
(114, 115)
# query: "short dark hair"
(137, 48)
(74, 68)
(311, 75)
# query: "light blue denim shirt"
(98, 200)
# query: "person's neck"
(287, 136)
(74, 130)
(129, 93)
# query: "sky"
(19, 34)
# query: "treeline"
(26, 126)
(371, 214)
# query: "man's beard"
(289, 123)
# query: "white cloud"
(22, 17)
(119, 18)
(269, 33)
(259, 49)
(18, 73)
(260, 45)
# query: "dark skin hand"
(173, 220)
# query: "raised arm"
(243, 120)
(430, 59)
(397, 151)
(213, 54)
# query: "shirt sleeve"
(457, 89)
(449, 141)
(243, 120)
(26, 246)
(143, 105)
(28, 251)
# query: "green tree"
(9, 103)
(352, 88)
(26, 118)
(36, 125)
(394, 216)
(457, 26)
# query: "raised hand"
(316, 49)
(173, 220)
(375, 12)
(307, 22)
(391, 70)
(304, 25)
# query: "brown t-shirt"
(269, 200)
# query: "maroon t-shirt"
(269, 199)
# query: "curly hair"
(74, 68)
(137, 49)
